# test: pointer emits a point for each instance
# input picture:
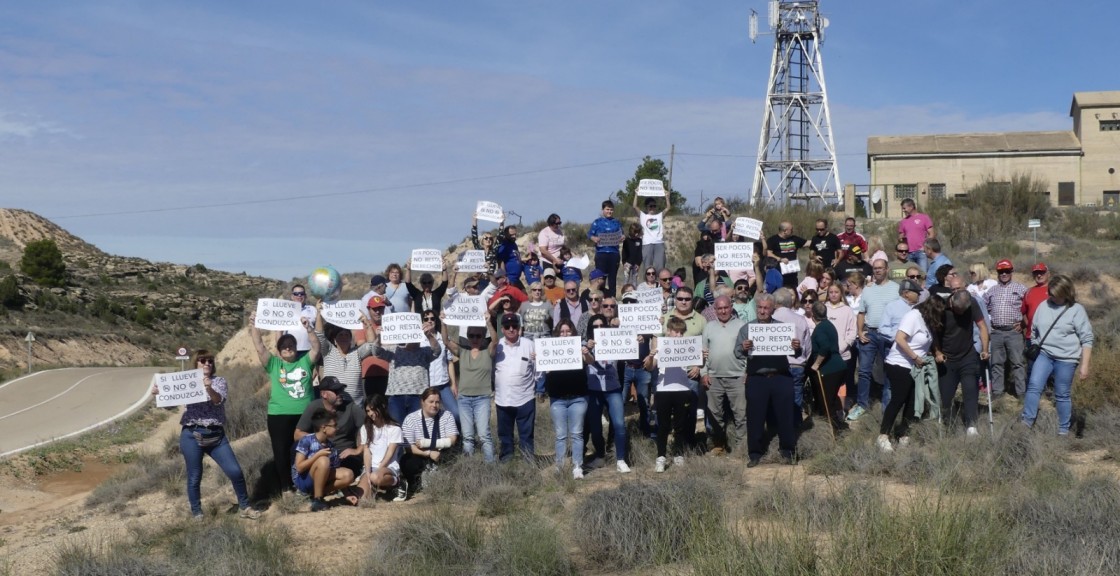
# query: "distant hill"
(116, 310)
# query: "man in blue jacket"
(606, 234)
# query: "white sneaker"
(577, 473)
(660, 465)
(699, 414)
(622, 467)
(402, 491)
(678, 460)
(884, 443)
(971, 431)
(904, 441)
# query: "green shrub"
(42, 261)
(10, 296)
(439, 541)
(527, 545)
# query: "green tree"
(10, 296)
(42, 261)
(653, 169)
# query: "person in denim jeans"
(1061, 326)
(567, 393)
(515, 378)
(204, 433)
(476, 378)
(604, 391)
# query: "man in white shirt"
(653, 232)
(514, 381)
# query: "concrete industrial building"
(1079, 165)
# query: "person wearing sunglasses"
(203, 433)
(682, 308)
(604, 392)
(571, 307)
(476, 382)
(515, 378)
(874, 336)
(549, 241)
(487, 245)
(899, 263)
(1004, 303)
(303, 340)
(594, 308)
(824, 247)
(428, 296)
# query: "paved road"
(54, 404)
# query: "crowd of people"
(909, 330)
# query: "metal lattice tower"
(796, 152)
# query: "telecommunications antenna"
(796, 150)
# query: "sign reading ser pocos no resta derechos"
(402, 328)
(641, 318)
(774, 339)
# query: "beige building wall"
(962, 173)
(1102, 153)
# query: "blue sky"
(400, 116)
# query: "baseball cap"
(376, 301)
(629, 298)
(330, 383)
(510, 319)
(549, 272)
(597, 273)
(1005, 264)
(378, 279)
(1040, 267)
(909, 285)
(855, 250)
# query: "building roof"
(973, 143)
(1094, 100)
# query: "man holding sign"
(769, 388)
(606, 233)
(783, 246)
(722, 378)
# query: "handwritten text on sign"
(465, 311)
(680, 352)
(473, 261)
(641, 318)
(402, 328)
(734, 256)
(772, 339)
(651, 187)
(791, 267)
(426, 260)
(610, 238)
(179, 388)
(615, 344)
(748, 227)
(558, 354)
(489, 211)
(345, 313)
(276, 315)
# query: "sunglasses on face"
(1038, 273)
(570, 290)
(820, 229)
(299, 293)
(596, 299)
(610, 305)
(209, 361)
(507, 326)
(664, 279)
(901, 251)
(535, 290)
(913, 276)
(741, 288)
(679, 299)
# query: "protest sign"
(426, 260)
(651, 187)
(791, 267)
(649, 295)
(748, 228)
(345, 313)
(402, 328)
(734, 256)
(610, 238)
(774, 339)
(179, 388)
(581, 262)
(680, 352)
(472, 261)
(465, 311)
(615, 344)
(558, 354)
(489, 211)
(641, 318)
(278, 315)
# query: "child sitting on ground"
(318, 465)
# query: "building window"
(1110, 125)
(904, 191)
(1066, 191)
(937, 191)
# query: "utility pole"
(30, 338)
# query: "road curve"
(55, 404)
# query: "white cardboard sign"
(748, 227)
(641, 318)
(402, 328)
(774, 339)
(651, 187)
(426, 260)
(472, 261)
(791, 267)
(345, 313)
(680, 352)
(563, 353)
(465, 311)
(734, 256)
(650, 295)
(278, 315)
(179, 388)
(581, 262)
(611, 238)
(489, 211)
(615, 344)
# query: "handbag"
(1033, 350)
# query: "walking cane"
(824, 399)
(991, 423)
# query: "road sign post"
(182, 355)
(1034, 224)
(30, 338)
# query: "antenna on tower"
(796, 151)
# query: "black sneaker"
(753, 462)
(318, 505)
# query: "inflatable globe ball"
(325, 283)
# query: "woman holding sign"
(428, 296)
(289, 393)
(604, 391)
(567, 393)
(674, 401)
(204, 433)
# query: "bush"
(991, 211)
(527, 545)
(10, 296)
(439, 541)
(42, 261)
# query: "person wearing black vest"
(428, 432)
(568, 305)
(769, 389)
